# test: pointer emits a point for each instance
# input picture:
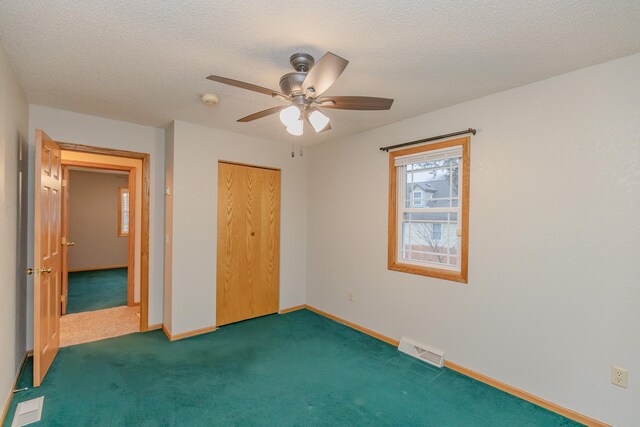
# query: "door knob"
(45, 270)
(29, 271)
(70, 243)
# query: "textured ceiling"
(145, 61)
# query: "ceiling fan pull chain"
(293, 149)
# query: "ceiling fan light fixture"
(304, 88)
(290, 116)
(318, 120)
(295, 128)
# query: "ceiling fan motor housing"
(301, 61)
(291, 83)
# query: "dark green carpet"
(295, 369)
(97, 289)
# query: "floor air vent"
(28, 412)
(422, 352)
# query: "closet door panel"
(248, 242)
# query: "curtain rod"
(433, 138)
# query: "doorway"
(248, 264)
(100, 284)
(49, 238)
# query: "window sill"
(455, 276)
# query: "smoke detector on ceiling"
(210, 99)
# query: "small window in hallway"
(123, 212)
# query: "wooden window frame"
(439, 273)
(120, 233)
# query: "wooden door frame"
(131, 244)
(144, 214)
(64, 259)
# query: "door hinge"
(64, 182)
(37, 271)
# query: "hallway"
(97, 307)
(97, 325)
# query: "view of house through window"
(123, 211)
(429, 229)
(428, 209)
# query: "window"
(430, 238)
(417, 197)
(123, 211)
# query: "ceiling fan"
(303, 89)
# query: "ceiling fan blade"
(323, 74)
(247, 86)
(355, 103)
(261, 114)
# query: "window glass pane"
(454, 181)
(436, 230)
(450, 238)
(438, 203)
(429, 237)
(435, 164)
(440, 183)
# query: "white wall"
(95, 131)
(553, 299)
(14, 115)
(196, 152)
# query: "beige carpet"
(78, 328)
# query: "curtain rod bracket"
(433, 138)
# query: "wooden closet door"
(248, 265)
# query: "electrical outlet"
(619, 376)
(352, 296)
